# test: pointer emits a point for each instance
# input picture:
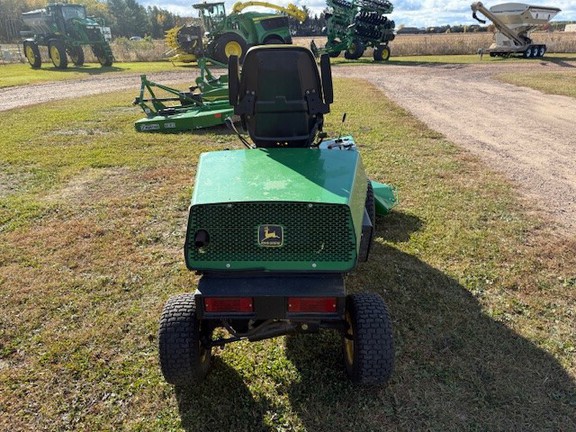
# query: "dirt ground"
(525, 134)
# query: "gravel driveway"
(527, 135)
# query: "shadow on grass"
(456, 367)
(222, 402)
(88, 70)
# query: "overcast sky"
(410, 13)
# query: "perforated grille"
(312, 232)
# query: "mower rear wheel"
(58, 54)
(368, 343)
(381, 53)
(76, 54)
(229, 44)
(32, 53)
(355, 50)
(184, 360)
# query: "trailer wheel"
(381, 53)
(355, 50)
(536, 51)
(184, 360)
(229, 44)
(76, 54)
(32, 53)
(368, 343)
(542, 51)
(528, 52)
(58, 54)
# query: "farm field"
(480, 282)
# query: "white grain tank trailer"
(514, 23)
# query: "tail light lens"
(312, 304)
(228, 304)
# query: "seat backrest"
(280, 96)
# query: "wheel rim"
(30, 54)
(233, 48)
(349, 341)
(55, 54)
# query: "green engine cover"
(276, 210)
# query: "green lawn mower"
(273, 229)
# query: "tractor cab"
(212, 14)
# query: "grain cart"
(514, 22)
(352, 26)
(65, 28)
(273, 229)
(233, 33)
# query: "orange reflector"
(228, 304)
(218, 115)
(312, 304)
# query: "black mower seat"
(280, 97)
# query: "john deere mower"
(274, 228)
(204, 105)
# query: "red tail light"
(312, 304)
(228, 304)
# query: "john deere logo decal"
(270, 235)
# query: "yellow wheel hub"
(233, 48)
(55, 54)
(30, 54)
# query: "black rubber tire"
(32, 53)
(329, 46)
(230, 44)
(57, 54)
(76, 54)
(368, 344)
(184, 361)
(381, 53)
(355, 50)
(528, 52)
(103, 54)
(274, 40)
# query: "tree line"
(125, 18)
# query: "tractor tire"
(32, 53)
(184, 360)
(76, 54)
(381, 53)
(355, 50)
(274, 40)
(328, 47)
(229, 44)
(103, 54)
(368, 343)
(57, 54)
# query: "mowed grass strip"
(92, 222)
(559, 83)
(22, 74)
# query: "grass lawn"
(92, 223)
(23, 74)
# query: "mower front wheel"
(58, 54)
(368, 342)
(184, 359)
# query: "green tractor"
(233, 34)
(273, 229)
(64, 29)
(352, 26)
